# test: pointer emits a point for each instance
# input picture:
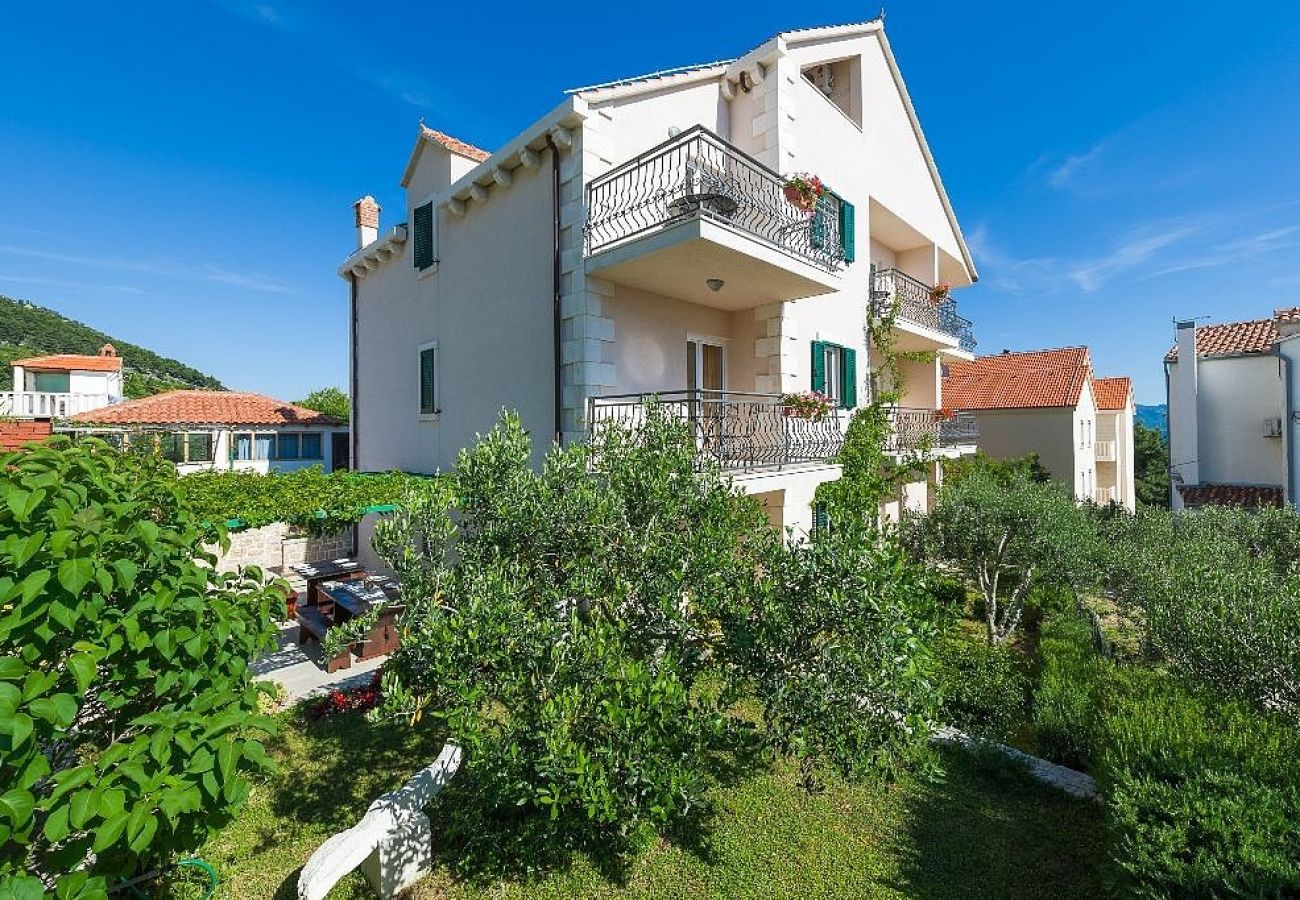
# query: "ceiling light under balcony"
(715, 284)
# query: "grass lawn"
(985, 830)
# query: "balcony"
(737, 431)
(699, 219)
(1105, 450)
(1106, 496)
(932, 324)
(919, 430)
(49, 404)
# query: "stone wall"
(17, 432)
(282, 545)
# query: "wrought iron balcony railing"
(699, 175)
(916, 429)
(915, 302)
(736, 430)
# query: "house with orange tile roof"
(1234, 412)
(50, 387)
(200, 430)
(1050, 403)
(717, 236)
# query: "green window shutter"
(424, 236)
(850, 379)
(427, 406)
(819, 366)
(846, 229)
(821, 521)
(817, 231)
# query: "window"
(287, 446)
(422, 223)
(835, 373)
(311, 446)
(428, 379)
(247, 446)
(198, 447)
(172, 447)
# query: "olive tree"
(1008, 534)
(128, 715)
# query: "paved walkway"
(300, 671)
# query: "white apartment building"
(63, 384)
(640, 239)
(1234, 412)
(1048, 402)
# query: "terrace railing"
(915, 302)
(917, 429)
(699, 175)
(49, 404)
(737, 430)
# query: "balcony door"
(705, 365)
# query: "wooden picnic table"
(352, 599)
(330, 570)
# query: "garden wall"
(283, 545)
(14, 434)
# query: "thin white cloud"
(1134, 250)
(1066, 174)
(162, 267)
(1234, 251)
(67, 285)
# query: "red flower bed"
(358, 699)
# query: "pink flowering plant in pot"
(939, 292)
(807, 405)
(804, 190)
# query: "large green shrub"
(984, 687)
(128, 717)
(1203, 796)
(1071, 682)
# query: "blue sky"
(181, 174)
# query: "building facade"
(1234, 418)
(48, 387)
(220, 430)
(1048, 402)
(647, 237)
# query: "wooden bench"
(312, 626)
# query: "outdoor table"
(357, 598)
(330, 570)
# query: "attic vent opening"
(840, 82)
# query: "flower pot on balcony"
(806, 203)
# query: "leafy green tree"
(128, 716)
(1006, 471)
(331, 401)
(1008, 536)
(1150, 466)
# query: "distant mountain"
(30, 330)
(1156, 417)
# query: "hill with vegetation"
(30, 330)
(1155, 417)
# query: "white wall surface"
(1235, 396)
(1012, 433)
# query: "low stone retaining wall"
(282, 545)
(1071, 781)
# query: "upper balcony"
(928, 319)
(933, 430)
(699, 219)
(50, 404)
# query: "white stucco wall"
(1051, 433)
(1234, 397)
(1289, 351)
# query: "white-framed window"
(706, 363)
(426, 381)
(252, 445)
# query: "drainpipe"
(555, 290)
(1288, 427)
(354, 439)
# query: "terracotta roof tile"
(1253, 496)
(67, 361)
(1291, 314)
(459, 147)
(1232, 339)
(1112, 393)
(205, 408)
(1036, 378)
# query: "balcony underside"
(910, 336)
(679, 259)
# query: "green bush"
(984, 687)
(1071, 679)
(1203, 796)
(128, 716)
(949, 593)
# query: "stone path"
(300, 671)
(1059, 777)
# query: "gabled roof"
(67, 362)
(1248, 495)
(1112, 393)
(429, 136)
(205, 408)
(1029, 380)
(1232, 339)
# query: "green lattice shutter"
(424, 236)
(819, 366)
(846, 229)
(427, 406)
(850, 378)
(817, 230)
(820, 519)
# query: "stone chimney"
(367, 211)
(1287, 321)
(108, 351)
(1184, 451)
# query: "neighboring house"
(1234, 412)
(1048, 402)
(221, 430)
(63, 385)
(641, 239)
